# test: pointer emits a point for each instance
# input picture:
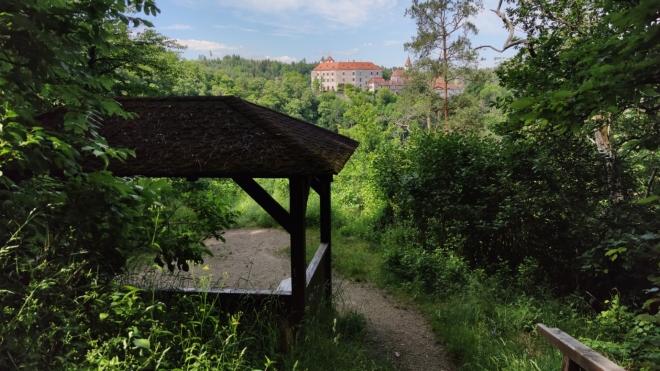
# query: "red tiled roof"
(215, 137)
(398, 73)
(329, 59)
(439, 84)
(331, 66)
(382, 82)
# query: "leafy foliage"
(235, 66)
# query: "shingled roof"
(217, 137)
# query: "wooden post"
(568, 364)
(298, 193)
(326, 236)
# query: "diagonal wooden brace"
(274, 209)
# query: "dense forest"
(530, 197)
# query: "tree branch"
(650, 183)
(508, 43)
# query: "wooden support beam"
(318, 181)
(568, 364)
(274, 209)
(576, 354)
(298, 194)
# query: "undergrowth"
(485, 321)
(123, 327)
(488, 322)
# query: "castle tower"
(408, 64)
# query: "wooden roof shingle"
(217, 137)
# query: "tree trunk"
(602, 142)
(444, 79)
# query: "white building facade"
(333, 75)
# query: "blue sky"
(290, 30)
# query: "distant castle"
(332, 75)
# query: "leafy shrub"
(510, 201)
(627, 335)
(437, 271)
(75, 241)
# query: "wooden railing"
(577, 356)
(314, 278)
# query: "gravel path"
(399, 333)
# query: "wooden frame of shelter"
(227, 137)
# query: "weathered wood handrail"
(577, 356)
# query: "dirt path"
(257, 258)
(400, 334)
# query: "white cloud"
(390, 42)
(236, 28)
(284, 58)
(339, 12)
(177, 26)
(193, 44)
(368, 44)
(284, 34)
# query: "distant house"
(395, 84)
(452, 89)
(332, 75)
(375, 84)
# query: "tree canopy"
(442, 41)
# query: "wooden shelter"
(227, 137)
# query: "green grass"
(492, 326)
(352, 257)
(209, 338)
(488, 326)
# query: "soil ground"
(257, 258)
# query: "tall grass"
(195, 332)
(489, 326)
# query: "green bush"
(431, 271)
(60, 257)
(627, 335)
(510, 202)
